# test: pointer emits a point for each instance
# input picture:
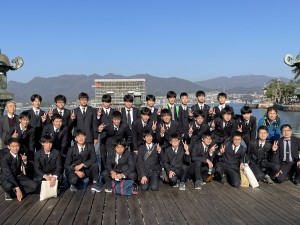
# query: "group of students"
(174, 142)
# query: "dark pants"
(233, 174)
(26, 184)
(153, 181)
(132, 176)
(180, 174)
(288, 168)
(260, 172)
(91, 172)
(199, 170)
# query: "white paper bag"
(47, 191)
(251, 177)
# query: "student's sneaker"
(176, 185)
(198, 185)
(182, 186)
(267, 179)
(73, 188)
(108, 190)
(8, 197)
(96, 188)
(209, 178)
(297, 182)
(224, 179)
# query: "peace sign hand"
(275, 146)
(222, 149)
(50, 112)
(72, 115)
(240, 128)
(154, 126)
(162, 129)
(186, 148)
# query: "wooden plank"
(60, 208)
(135, 214)
(109, 215)
(122, 215)
(96, 213)
(14, 212)
(147, 211)
(83, 212)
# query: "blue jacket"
(274, 128)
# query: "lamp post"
(5, 66)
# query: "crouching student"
(262, 159)
(48, 163)
(81, 162)
(176, 162)
(148, 166)
(12, 179)
(202, 154)
(231, 161)
(119, 165)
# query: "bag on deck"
(47, 191)
(124, 187)
(244, 179)
(251, 177)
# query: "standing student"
(47, 163)
(287, 149)
(84, 118)
(176, 162)
(217, 110)
(171, 105)
(184, 112)
(272, 121)
(8, 121)
(81, 162)
(150, 102)
(200, 105)
(12, 178)
(247, 122)
(129, 113)
(148, 166)
(37, 118)
(231, 161)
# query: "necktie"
(22, 131)
(149, 147)
(172, 111)
(106, 112)
(83, 111)
(81, 150)
(168, 127)
(56, 130)
(128, 117)
(175, 151)
(36, 112)
(17, 161)
(201, 107)
(287, 151)
(118, 158)
(260, 145)
(234, 149)
(60, 113)
(205, 149)
(116, 129)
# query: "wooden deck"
(214, 204)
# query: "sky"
(190, 39)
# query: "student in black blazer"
(248, 124)
(129, 113)
(119, 165)
(231, 161)
(167, 128)
(59, 133)
(150, 102)
(287, 150)
(171, 105)
(202, 155)
(47, 162)
(81, 162)
(116, 130)
(196, 128)
(176, 162)
(206, 109)
(8, 121)
(184, 112)
(12, 177)
(261, 158)
(24, 133)
(37, 118)
(148, 166)
(217, 110)
(141, 125)
(84, 117)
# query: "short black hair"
(246, 109)
(24, 114)
(116, 114)
(171, 94)
(146, 132)
(198, 113)
(150, 97)
(46, 138)
(106, 98)
(183, 94)
(165, 111)
(34, 96)
(56, 116)
(200, 93)
(13, 140)
(83, 95)
(145, 111)
(227, 110)
(262, 128)
(272, 109)
(285, 125)
(128, 98)
(237, 134)
(206, 134)
(174, 136)
(79, 132)
(222, 94)
(60, 98)
(120, 142)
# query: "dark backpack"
(124, 187)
